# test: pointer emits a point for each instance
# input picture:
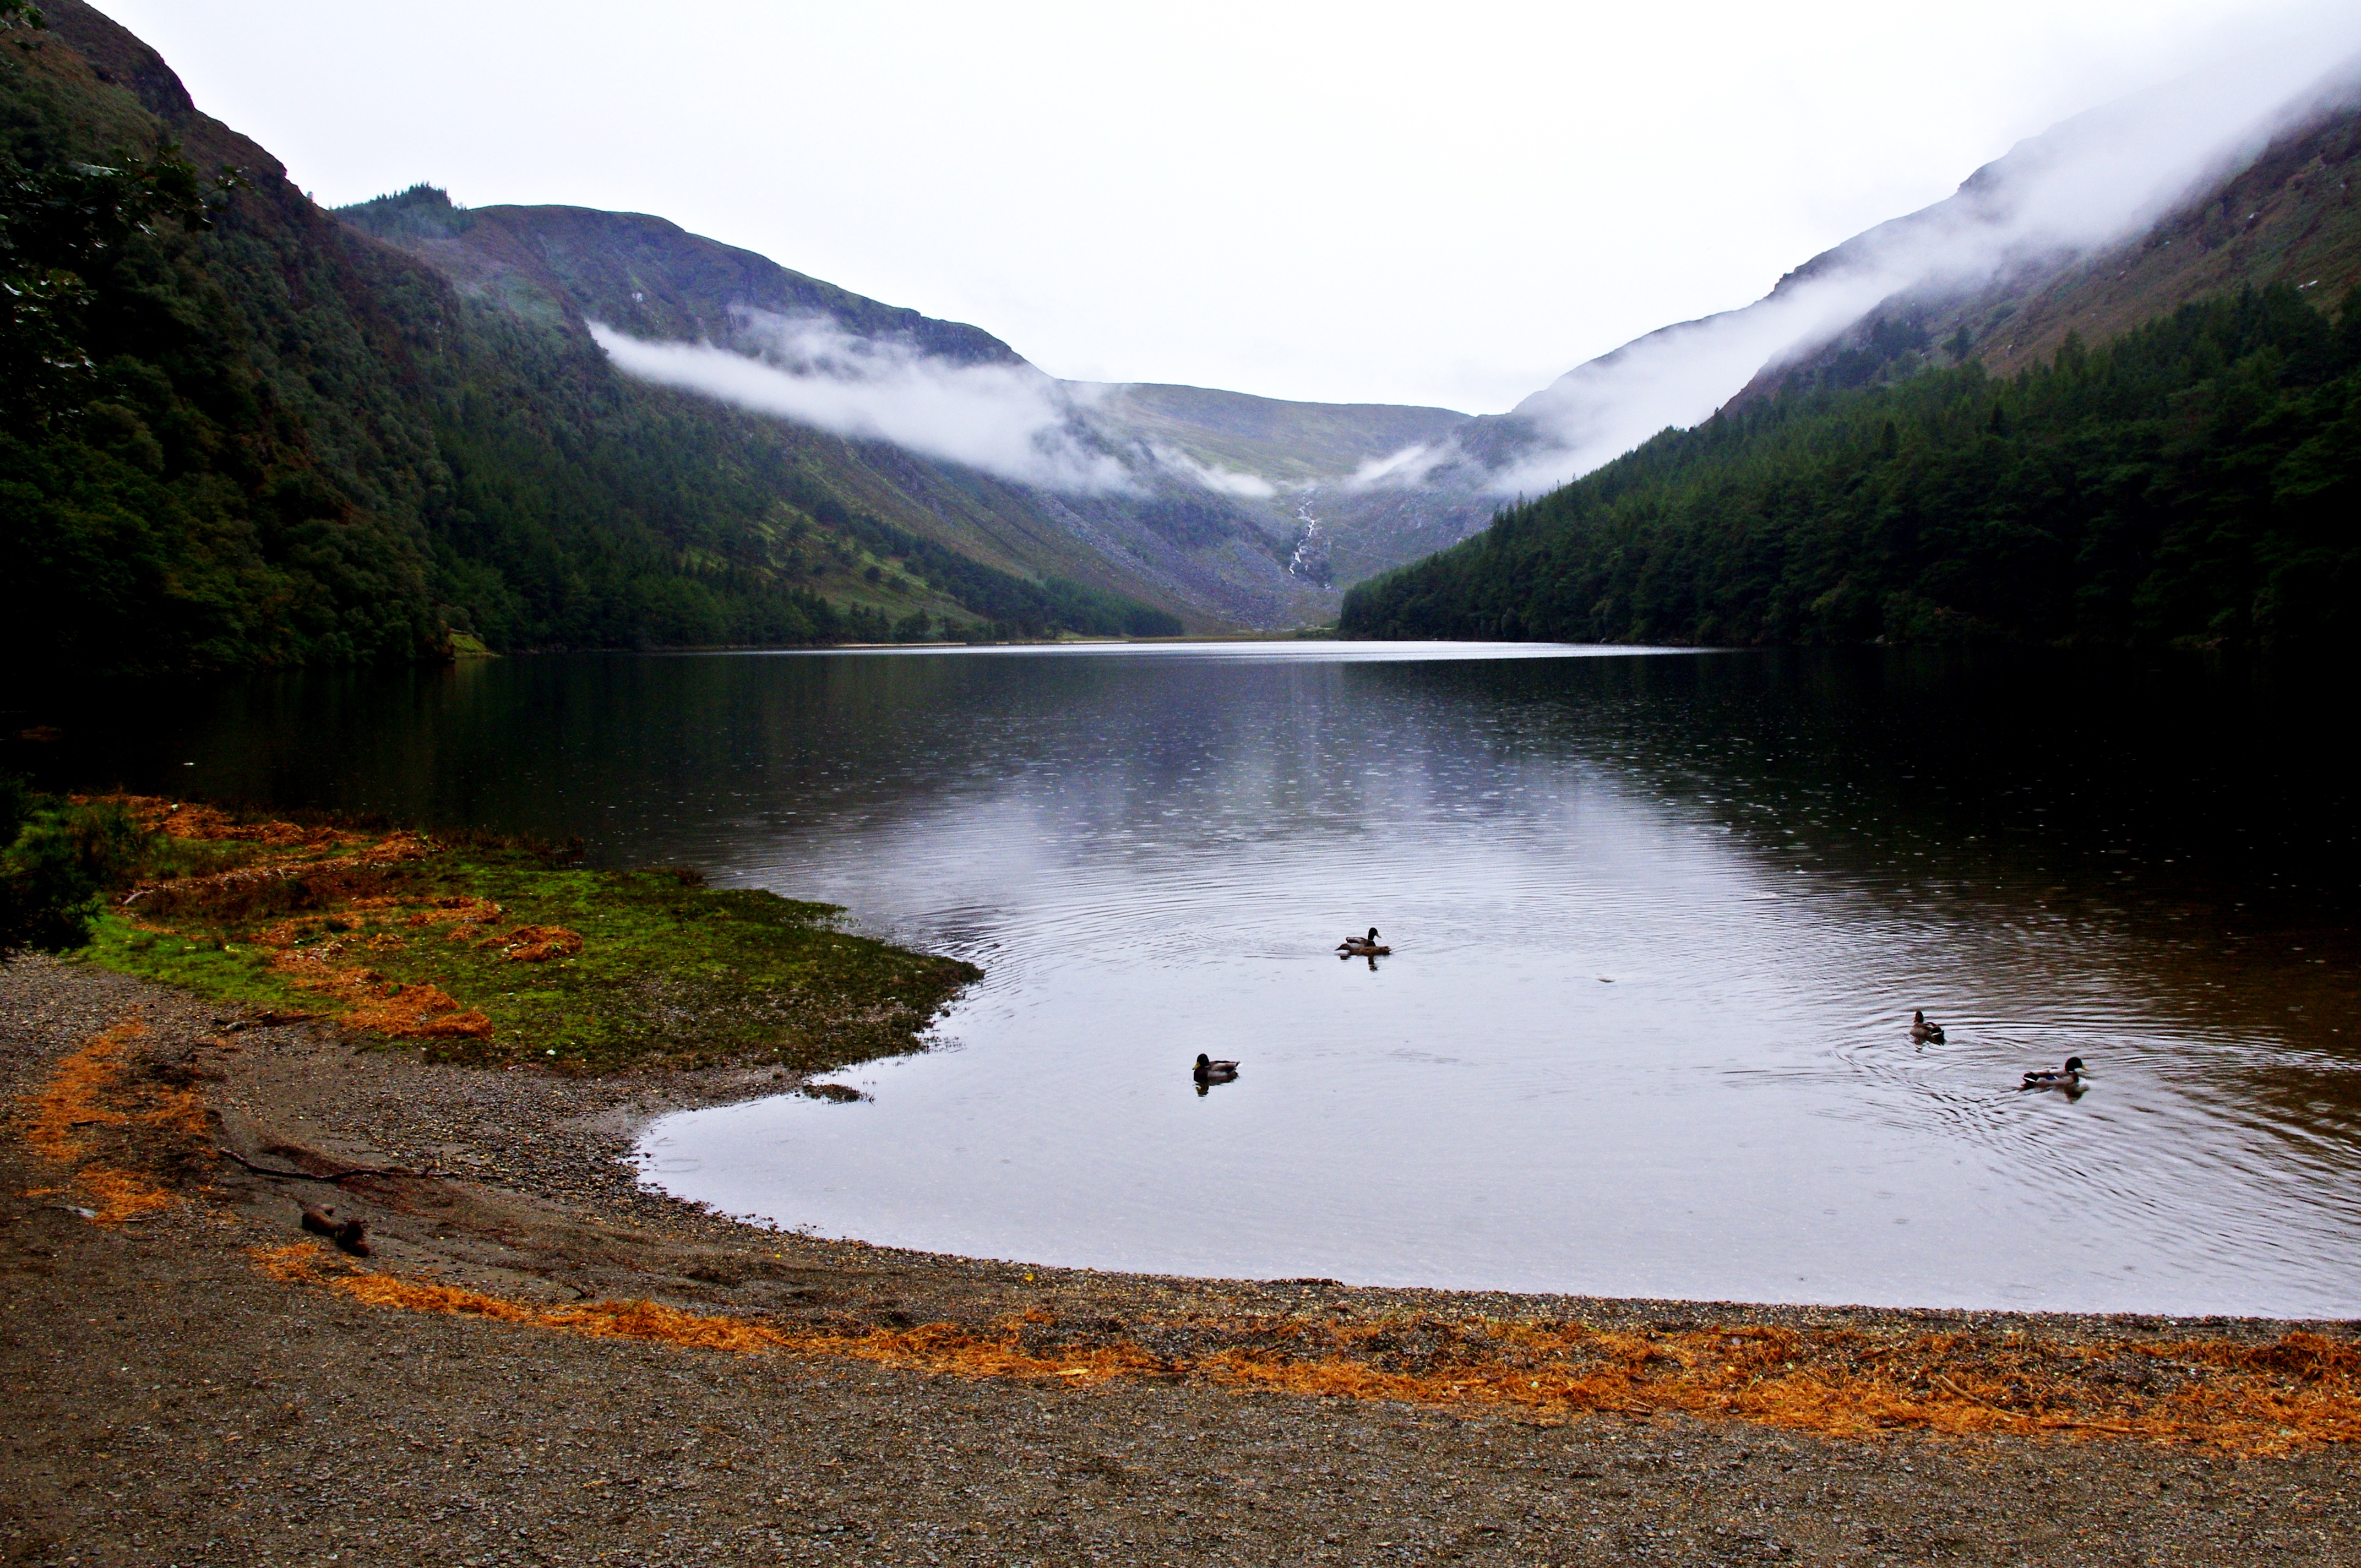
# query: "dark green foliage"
(2198, 481)
(60, 228)
(421, 212)
(164, 509)
(1014, 606)
(1887, 343)
(243, 434)
(57, 860)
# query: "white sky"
(1353, 202)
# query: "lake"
(1658, 921)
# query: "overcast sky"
(1355, 202)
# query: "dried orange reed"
(103, 1130)
(2295, 1392)
(338, 869)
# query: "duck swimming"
(1208, 1071)
(2069, 1078)
(1924, 1031)
(1363, 946)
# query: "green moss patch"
(491, 951)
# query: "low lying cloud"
(1226, 481)
(2086, 184)
(1404, 470)
(1007, 420)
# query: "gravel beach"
(178, 1398)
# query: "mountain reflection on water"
(1659, 923)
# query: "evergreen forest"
(2195, 482)
(236, 433)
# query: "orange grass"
(337, 867)
(2295, 1392)
(2298, 1390)
(324, 874)
(91, 1094)
(182, 820)
(419, 1010)
(934, 1347)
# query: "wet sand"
(192, 1379)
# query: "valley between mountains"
(272, 435)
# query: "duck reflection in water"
(1209, 1072)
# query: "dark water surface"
(1659, 922)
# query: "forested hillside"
(535, 277)
(240, 434)
(2197, 481)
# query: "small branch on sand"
(1945, 1383)
(427, 1175)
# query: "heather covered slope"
(642, 274)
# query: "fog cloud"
(1227, 481)
(1007, 420)
(1011, 421)
(1406, 469)
(2087, 183)
(2094, 180)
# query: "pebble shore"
(171, 1403)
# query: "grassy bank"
(494, 950)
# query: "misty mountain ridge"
(296, 443)
(647, 278)
(2030, 234)
(353, 434)
(2035, 236)
(2288, 216)
(2066, 406)
(1199, 492)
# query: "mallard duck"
(1363, 946)
(2069, 1077)
(1924, 1031)
(1208, 1071)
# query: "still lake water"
(1659, 922)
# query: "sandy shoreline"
(909, 1407)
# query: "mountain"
(2195, 482)
(2014, 416)
(246, 432)
(1212, 503)
(2289, 216)
(2107, 219)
